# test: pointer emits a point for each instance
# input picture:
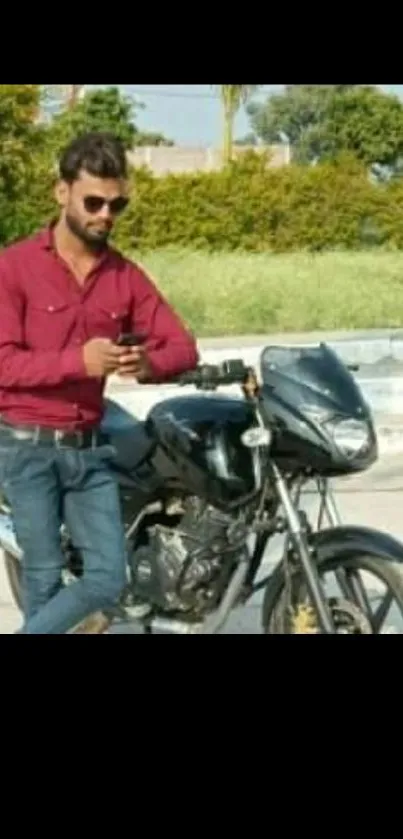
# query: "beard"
(95, 238)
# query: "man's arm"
(171, 348)
(21, 367)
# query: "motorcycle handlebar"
(231, 371)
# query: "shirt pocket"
(49, 325)
(107, 321)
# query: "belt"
(36, 434)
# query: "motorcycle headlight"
(351, 436)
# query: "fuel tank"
(201, 436)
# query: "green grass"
(240, 293)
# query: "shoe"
(95, 624)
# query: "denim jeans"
(46, 486)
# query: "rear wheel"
(365, 595)
(14, 574)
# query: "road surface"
(374, 499)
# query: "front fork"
(298, 536)
(327, 506)
(350, 585)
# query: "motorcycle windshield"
(312, 376)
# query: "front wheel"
(365, 595)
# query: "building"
(163, 160)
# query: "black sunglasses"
(94, 203)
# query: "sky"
(190, 115)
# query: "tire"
(274, 619)
(14, 574)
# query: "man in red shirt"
(65, 297)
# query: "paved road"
(374, 499)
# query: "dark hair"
(99, 153)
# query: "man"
(65, 296)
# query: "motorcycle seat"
(128, 435)
(132, 447)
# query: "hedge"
(251, 207)
(247, 206)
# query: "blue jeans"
(46, 486)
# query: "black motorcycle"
(205, 474)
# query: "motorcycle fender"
(350, 540)
(342, 541)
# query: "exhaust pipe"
(175, 627)
(8, 539)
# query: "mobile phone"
(127, 339)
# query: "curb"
(367, 346)
(390, 434)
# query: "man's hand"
(101, 357)
(134, 364)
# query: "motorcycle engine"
(182, 568)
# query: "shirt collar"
(45, 239)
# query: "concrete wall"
(164, 159)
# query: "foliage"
(29, 148)
(99, 110)
(250, 206)
(322, 121)
(20, 137)
(152, 138)
(18, 109)
(369, 123)
(298, 113)
(232, 97)
(246, 206)
(251, 294)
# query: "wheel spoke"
(360, 597)
(381, 612)
(363, 593)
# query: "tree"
(151, 138)
(56, 98)
(20, 137)
(98, 110)
(18, 109)
(367, 122)
(73, 94)
(18, 134)
(322, 121)
(102, 109)
(297, 113)
(232, 97)
(249, 139)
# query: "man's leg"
(93, 518)
(30, 480)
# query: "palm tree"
(58, 97)
(73, 94)
(232, 97)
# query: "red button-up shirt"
(46, 317)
